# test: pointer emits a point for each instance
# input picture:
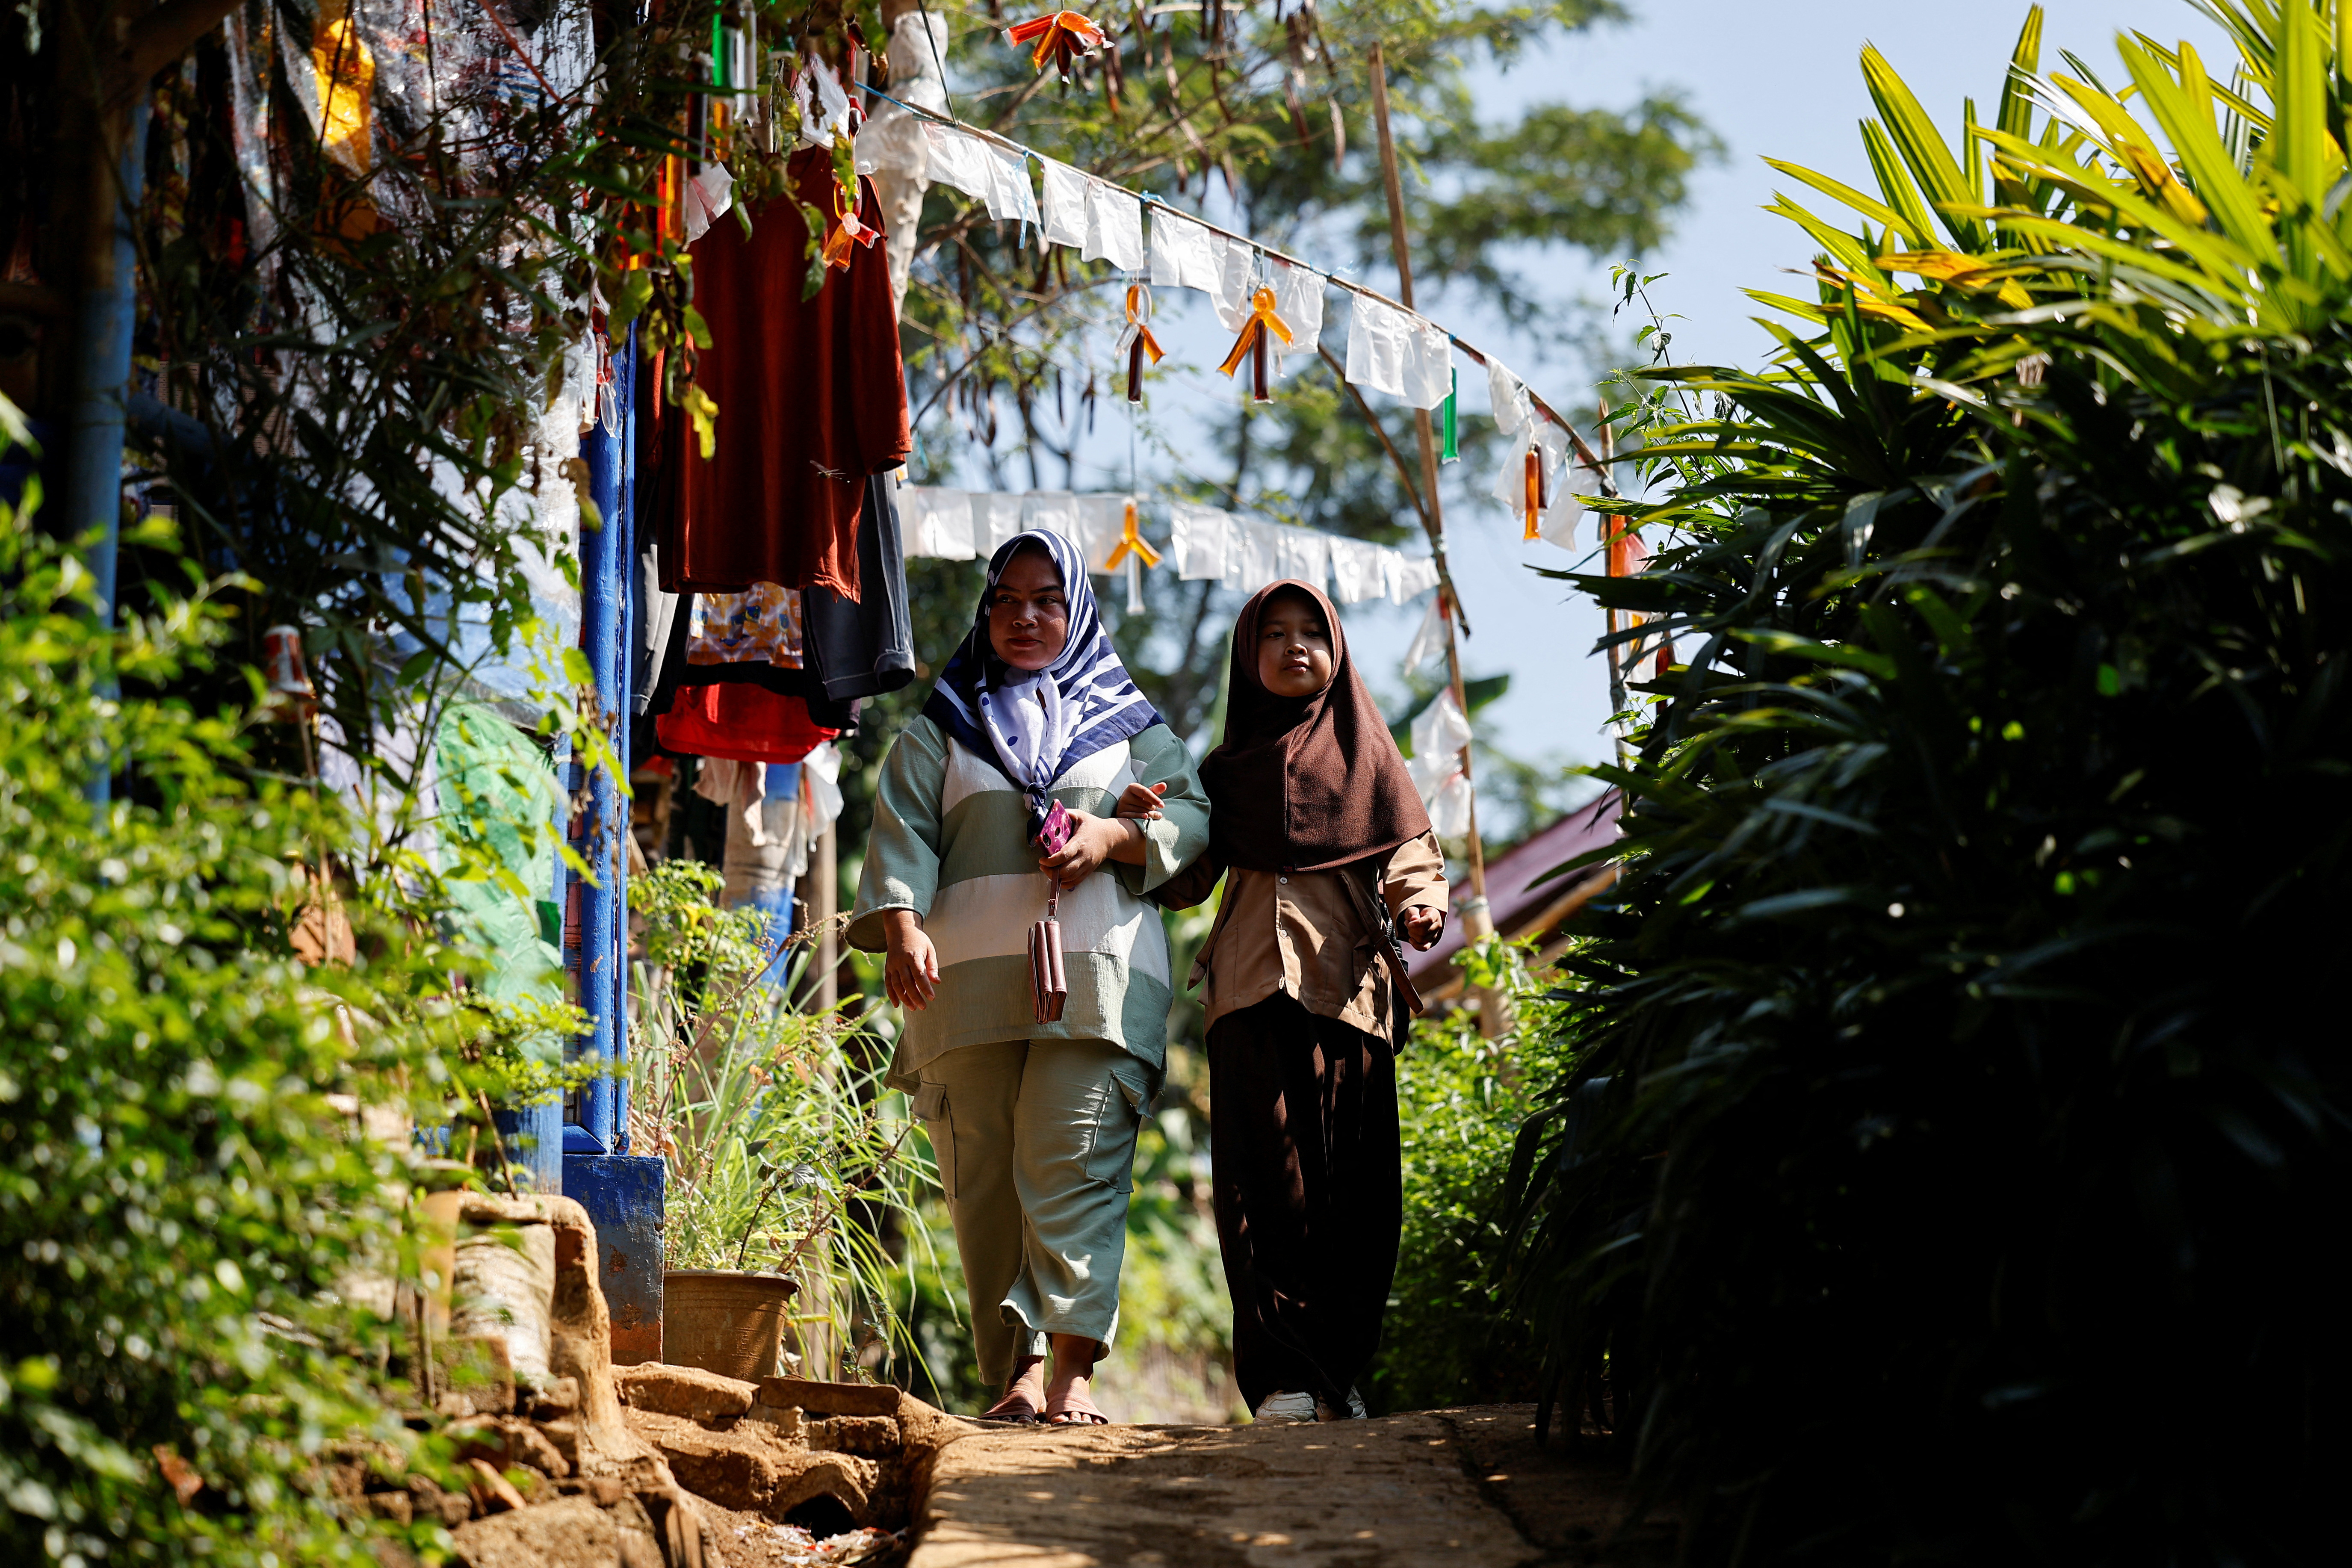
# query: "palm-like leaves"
(1942, 1099)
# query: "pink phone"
(1055, 832)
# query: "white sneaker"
(1355, 1411)
(1278, 1407)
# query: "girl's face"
(1294, 647)
(1029, 612)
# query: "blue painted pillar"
(602, 902)
(625, 1194)
(104, 318)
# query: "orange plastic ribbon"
(1137, 341)
(1253, 341)
(1535, 496)
(1061, 36)
(847, 230)
(1130, 541)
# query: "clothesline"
(1203, 542)
(1585, 455)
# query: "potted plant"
(787, 1156)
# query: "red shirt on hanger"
(811, 399)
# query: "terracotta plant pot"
(724, 1322)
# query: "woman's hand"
(1094, 840)
(1140, 800)
(911, 972)
(1424, 926)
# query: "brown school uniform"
(1306, 795)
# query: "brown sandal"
(1013, 1410)
(1074, 1416)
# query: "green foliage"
(786, 1153)
(184, 1191)
(1949, 1100)
(1452, 1335)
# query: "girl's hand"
(1140, 800)
(911, 972)
(1094, 840)
(1424, 926)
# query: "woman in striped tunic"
(1034, 1123)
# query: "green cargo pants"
(1037, 1148)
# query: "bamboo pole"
(1477, 920)
(1611, 527)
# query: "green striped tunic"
(951, 842)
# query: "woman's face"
(1029, 612)
(1294, 647)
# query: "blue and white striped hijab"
(1033, 727)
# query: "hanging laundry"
(996, 521)
(1398, 353)
(1357, 573)
(1182, 256)
(1100, 221)
(812, 400)
(1200, 538)
(863, 646)
(759, 625)
(741, 721)
(939, 522)
(1297, 299)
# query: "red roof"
(1517, 891)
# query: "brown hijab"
(1305, 784)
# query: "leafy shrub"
(180, 1200)
(1966, 1123)
(1452, 1336)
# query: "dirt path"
(1458, 1485)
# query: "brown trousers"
(1309, 1195)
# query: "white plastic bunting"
(1199, 535)
(1398, 353)
(959, 160)
(938, 522)
(1298, 301)
(1100, 221)
(1439, 734)
(1206, 543)
(996, 520)
(1182, 256)
(1253, 556)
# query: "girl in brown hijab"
(1325, 848)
